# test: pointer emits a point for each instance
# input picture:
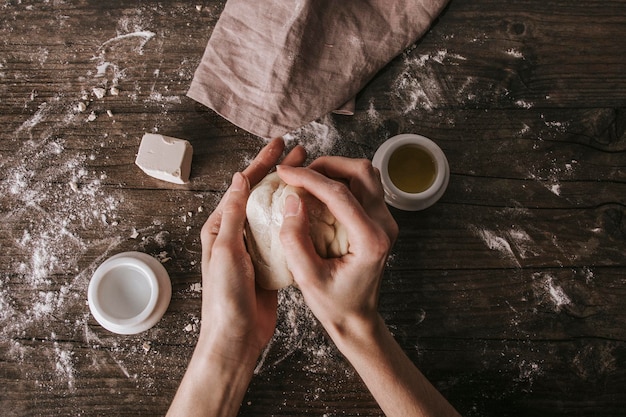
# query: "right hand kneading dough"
(265, 217)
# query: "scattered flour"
(298, 331)
(318, 137)
(528, 371)
(547, 290)
(143, 36)
(65, 365)
(558, 296)
(496, 243)
(54, 203)
(52, 197)
(551, 175)
(57, 210)
(513, 243)
(524, 104)
(373, 116)
(421, 86)
(514, 53)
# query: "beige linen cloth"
(273, 66)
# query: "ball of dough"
(265, 217)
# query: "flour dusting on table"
(318, 137)
(298, 332)
(422, 86)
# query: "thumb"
(302, 259)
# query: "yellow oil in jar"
(412, 169)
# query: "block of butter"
(165, 158)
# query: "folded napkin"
(273, 66)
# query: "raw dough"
(265, 217)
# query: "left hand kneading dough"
(265, 217)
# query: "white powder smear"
(298, 331)
(143, 37)
(548, 291)
(559, 298)
(523, 244)
(496, 243)
(421, 86)
(64, 365)
(318, 137)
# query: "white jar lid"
(409, 201)
(129, 293)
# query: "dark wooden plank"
(508, 294)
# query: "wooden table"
(509, 294)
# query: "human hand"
(238, 317)
(341, 292)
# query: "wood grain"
(509, 293)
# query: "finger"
(234, 212)
(360, 174)
(364, 183)
(337, 197)
(264, 161)
(302, 259)
(211, 228)
(209, 232)
(295, 157)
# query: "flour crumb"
(163, 257)
(81, 107)
(514, 53)
(193, 326)
(114, 91)
(99, 92)
(92, 116)
(73, 186)
(134, 234)
(524, 104)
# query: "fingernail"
(239, 182)
(292, 205)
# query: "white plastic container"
(129, 293)
(414, 171)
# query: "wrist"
(216, 380)
(355, 332)
(215, 346)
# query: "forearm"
(213, 386)
(397, 385)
